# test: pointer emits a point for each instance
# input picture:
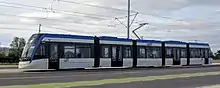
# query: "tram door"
(54, 57)
(176, 59)
(116, 60)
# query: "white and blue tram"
(59, 51)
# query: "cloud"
(27, 20)
(205, 2)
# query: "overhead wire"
(1, 28)
(56, 10)
(64, 29)
(36, 9)
(43, 25)
(103, 7)
(74, 13)
(23, 29)
(13, 23)
(53, 10)
(40, 9)
(57, 28)
(20, 29)
(65, 21)
(19, 7)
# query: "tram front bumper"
(23, 64)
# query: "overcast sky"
(184, 20)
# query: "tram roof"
(175, 42)
(149, 41)
(67, 36)
(197, 43)
(110, 38)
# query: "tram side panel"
(208, 56)
(73, 53)
(105, 55)
(127, 55)
(116, 52)
(175, 53)
(149, 53)
(198, 54)
(35, 64)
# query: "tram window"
(199, 53)
(141, 52)
(169, 53)
(105, 51)
(153, 53)
(192, 53)
(69, 51)
(206, 53)
(157, 52)
(149, 53)
(127, 52)
(54, 54)
(83, 51)
(183, 53)
(41, 52)
(92, 51)
(202, 53)
(195, 53)
(114, 53)
(210, 54)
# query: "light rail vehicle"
(62, 51)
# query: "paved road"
(29, 78)
(194, 82)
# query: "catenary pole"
(128, 21)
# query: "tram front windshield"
(29, 48)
